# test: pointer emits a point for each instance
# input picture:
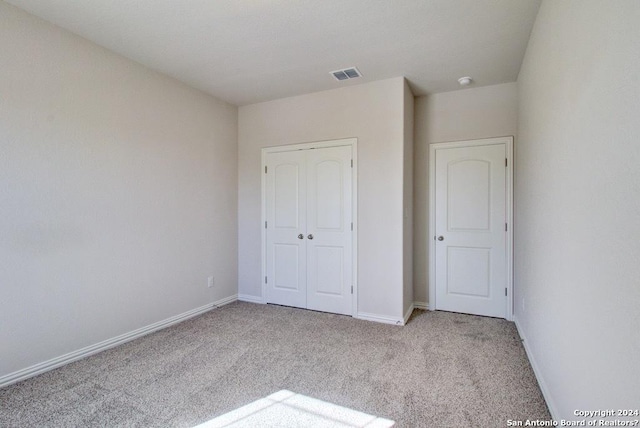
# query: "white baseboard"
(109, 343)
(421, 305)
(250, 299)
(379, 318)
(408, 313)
(536, 370)
(225, 301)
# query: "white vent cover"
(346, 73)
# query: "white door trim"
(508, 142)
(353, 143)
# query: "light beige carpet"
(440, 370)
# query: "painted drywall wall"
(373, 113)
(117, 194)
(468, 114)
(407, 219)
(577, 227)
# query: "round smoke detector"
(464, 81)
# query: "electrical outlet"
(210, 281)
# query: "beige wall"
(117, 194)
(488, 111)
(373, 113)
(577, 224)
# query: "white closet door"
(286, 229)
(470, 218)
(308, 238)
(329, 216)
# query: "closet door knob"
(301, 236)
(310, 236)
(440, 238)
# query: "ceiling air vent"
(346, 73)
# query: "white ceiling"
(247, 51)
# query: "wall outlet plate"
(210, 281)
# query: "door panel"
(469, 271)
(286, 261)
(329, 252)
(329, 268)
(470, 217)
(469, 192)
(287, 195)
(329, 209)
(308, 237)
(286, 214)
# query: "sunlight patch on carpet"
(288, 409)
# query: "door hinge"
(265, 279)
(351, 163)
(506, 227)
(265, 224)
(265, 169)
(505, 291)
(352, 289)
(351, 225)
(506, 161)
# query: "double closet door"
(308, 207)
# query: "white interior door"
(470, 229)
(286, 187)
(329, 230)
(308, 196)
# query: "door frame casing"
(353, 143)
(508, 142)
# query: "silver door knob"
(310, 236)
(440, 238)
(301, 236)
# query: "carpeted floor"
(440, 370)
